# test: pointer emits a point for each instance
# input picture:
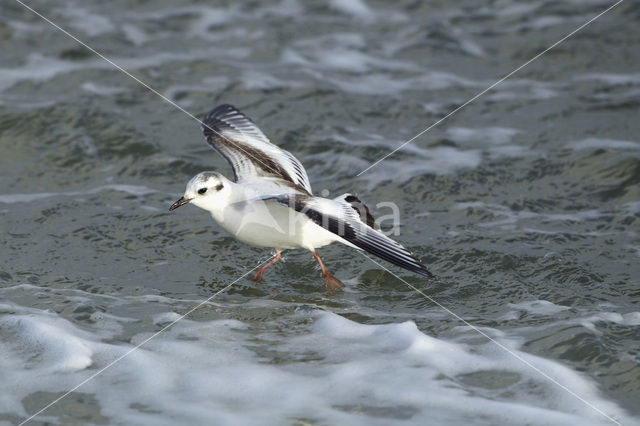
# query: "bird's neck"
(218, 207)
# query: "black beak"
(181, 202)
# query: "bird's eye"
(219, 187)
(202, 191)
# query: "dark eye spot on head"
(219, 187)
(202, 191)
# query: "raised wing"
(248, 150)
(341, 219)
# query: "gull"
(269, 202)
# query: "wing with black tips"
(342, 220)
(248, 150)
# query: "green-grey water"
(525, 204)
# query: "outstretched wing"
(248, 150)
(340, 219)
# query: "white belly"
(269, 224)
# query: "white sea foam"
(621, 96)
(89, 23)
(482, 136)
(38, 68)
(208, 18)
(608, 144)
(384, 84)
(100, 89)
(523, 89)
(361, 11)
(253, 80)
(539, 307)
(138, 190)
(627, 319)
(135, 34)
(513, 9)
(341, 372)
(56, 344)
(351, 60)
(575, 316)
(205, 22)
(493, 140)
(357, 8)
(632, 208)
(610, 78)
(201, 14)
(541, 22)
(26, 29)
(512, 217)
(439, 160)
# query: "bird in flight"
(269, 202)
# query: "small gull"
(270, 204)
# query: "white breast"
(270, 224)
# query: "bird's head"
(207, 190)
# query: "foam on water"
(262, 81)
(610, 78)
(357, 8)
(340, 372)
(440, 160)
(89, 23)
(472, 145)
(512, 217)
(539, 307)
(607, 144)
(495, 141)
(562, 317)
(39, 68)
(490, 135)
(627, 319)
(138, 190)
(100, 89)
(342, 59)
(135, 34)
(523, 89)
(383, 84)
(360, 10)
(64, 346)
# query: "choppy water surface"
(526, 204)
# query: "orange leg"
(258, 276)
(332, 282)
